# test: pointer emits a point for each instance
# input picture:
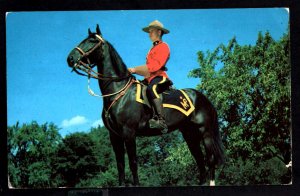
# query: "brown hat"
(156, 24)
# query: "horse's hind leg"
(193, 138)
(208, 144)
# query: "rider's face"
(154, 34)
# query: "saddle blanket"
(175, 99)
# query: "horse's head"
(94, 50)
(87, 53)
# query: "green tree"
(179, 168)
(31, 155)
(107, 174)
(158, 165)
(103, 149)
(77, 159)
(250, 87)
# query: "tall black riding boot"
(159, 123)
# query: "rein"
(91, 92)
(122, 92)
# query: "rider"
(155, 72)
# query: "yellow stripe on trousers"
(155, 86)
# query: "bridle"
(87, 68)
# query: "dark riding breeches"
(157, 85)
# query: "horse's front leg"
(131, 151)
(119, 149)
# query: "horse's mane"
(115, 57)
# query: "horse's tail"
(217, 145)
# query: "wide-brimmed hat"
(156, 24)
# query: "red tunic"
(157, 58)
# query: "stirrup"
(158, 124)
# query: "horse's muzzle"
(70, 61)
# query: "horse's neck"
(111, 86)
(113, 66)
(112, 63)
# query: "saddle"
(171, 98)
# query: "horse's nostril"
(70, 60)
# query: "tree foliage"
(251, 87)
(77, 158)
(32, 152)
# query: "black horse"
(125, 118)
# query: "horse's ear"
(98, 30)
(89, 31)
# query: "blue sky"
(40, 86)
